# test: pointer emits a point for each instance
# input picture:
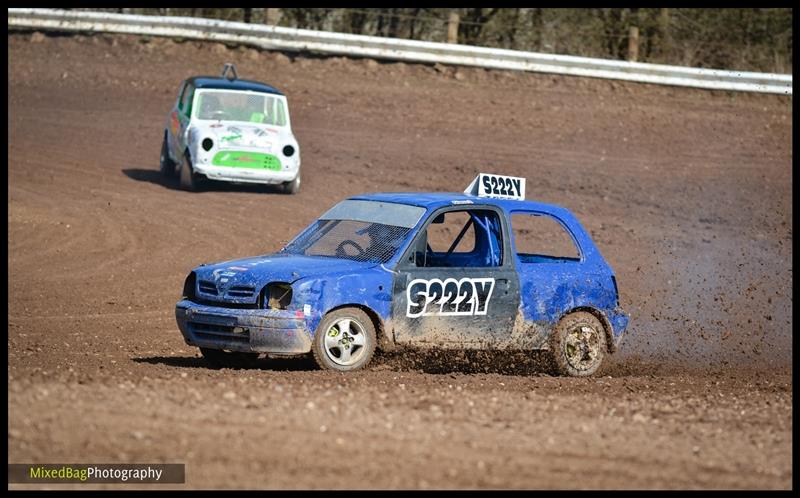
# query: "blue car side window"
(540, 238)
(468, 238)
(489, 239)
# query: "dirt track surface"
(686, 192)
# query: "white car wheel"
(188, 177)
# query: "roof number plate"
(498, 186)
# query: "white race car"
(224, 128)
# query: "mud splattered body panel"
(552, 287)
(486, 297)
(459, 299)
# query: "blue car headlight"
(277, 296)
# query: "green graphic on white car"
(228, 129)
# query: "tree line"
(731, 38)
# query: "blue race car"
(393, 270)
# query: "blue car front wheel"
(345, 340)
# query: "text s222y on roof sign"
(497, 186)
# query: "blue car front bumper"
(245, 330)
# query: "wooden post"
(664, 41)
(452, 27)
(272, 16)
(633, 44)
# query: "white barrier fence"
(279, 38)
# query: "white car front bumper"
(289, 169)
(229, 174)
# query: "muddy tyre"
(344, 341)
(167, 165)
(220, 358)
(291, 187)
(578, 345)
(188, 178)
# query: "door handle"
(503, 285)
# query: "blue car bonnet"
(261, 270)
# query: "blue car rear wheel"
(578, 344)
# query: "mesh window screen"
(354, 240)
(241, 106)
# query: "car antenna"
(229, 67)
